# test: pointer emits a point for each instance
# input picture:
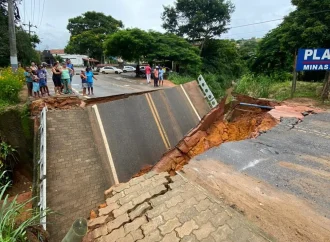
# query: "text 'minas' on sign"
(313, 60)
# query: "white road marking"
(193, 107)
(76, 91)
(107, 148)
(252, 164)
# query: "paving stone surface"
(76, 179)
(171, 209)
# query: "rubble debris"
(68, 102)
(225, 124)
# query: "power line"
(38, 12)
(233, 34)
(272, 20)
(24, 11)
(33, 12)
(245, 25)
(42, 13)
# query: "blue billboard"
(313, 60)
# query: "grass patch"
(178, 79)
(217, 83)
(261, 86)
(282, 91)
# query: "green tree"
(59, 58)
(199, 20)
(131, 44)
(306, 27)
(25, 45)
(222, 57)
(95, 22)
(136, 45)
(86, 43)
(88, 33)
(174, 48)
(247, 48)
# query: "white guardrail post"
(207, 92)
(42, 165)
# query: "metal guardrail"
(42, 165)
(207, 92)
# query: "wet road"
(108, 84)
(294, 158)
(113, 84)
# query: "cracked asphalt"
(293, 157)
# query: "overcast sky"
(144, 14)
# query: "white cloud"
(144, 14)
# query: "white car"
(128, 69)
(110, 69)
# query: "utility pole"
(12, 36)
(30, 26)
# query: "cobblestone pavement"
(157, 207)
(75, 177)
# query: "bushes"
(12, 228)
(7, 161)
(178, 79)
(254, 85)
(277, 86)
(217, 83)
(10, 85)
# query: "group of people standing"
(62, 77)
(158, 75)
(36, 80)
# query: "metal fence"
(207, 91)
(42, 165)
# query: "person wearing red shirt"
(148, 74)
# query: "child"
(90, 76)
(156, 76)
(84, 84)
(42, 75)
(29, 81)
(161, 77)
(36, 87)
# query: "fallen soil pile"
(55, 103)
(213, 130)
(226, 123)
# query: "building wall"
(76, 60)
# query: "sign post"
(294, 81)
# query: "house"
(76, 59)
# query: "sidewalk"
(157, 207)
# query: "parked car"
(110, 69)
(128, 69)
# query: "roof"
(90, 59)
(57, 51)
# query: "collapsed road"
(268, 169)
(222, 126)
(279, 180)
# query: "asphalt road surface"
(108, 84)
(291, 157)
(113, 84)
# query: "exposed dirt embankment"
(214, 130)
(284, 216)
(55, 103)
